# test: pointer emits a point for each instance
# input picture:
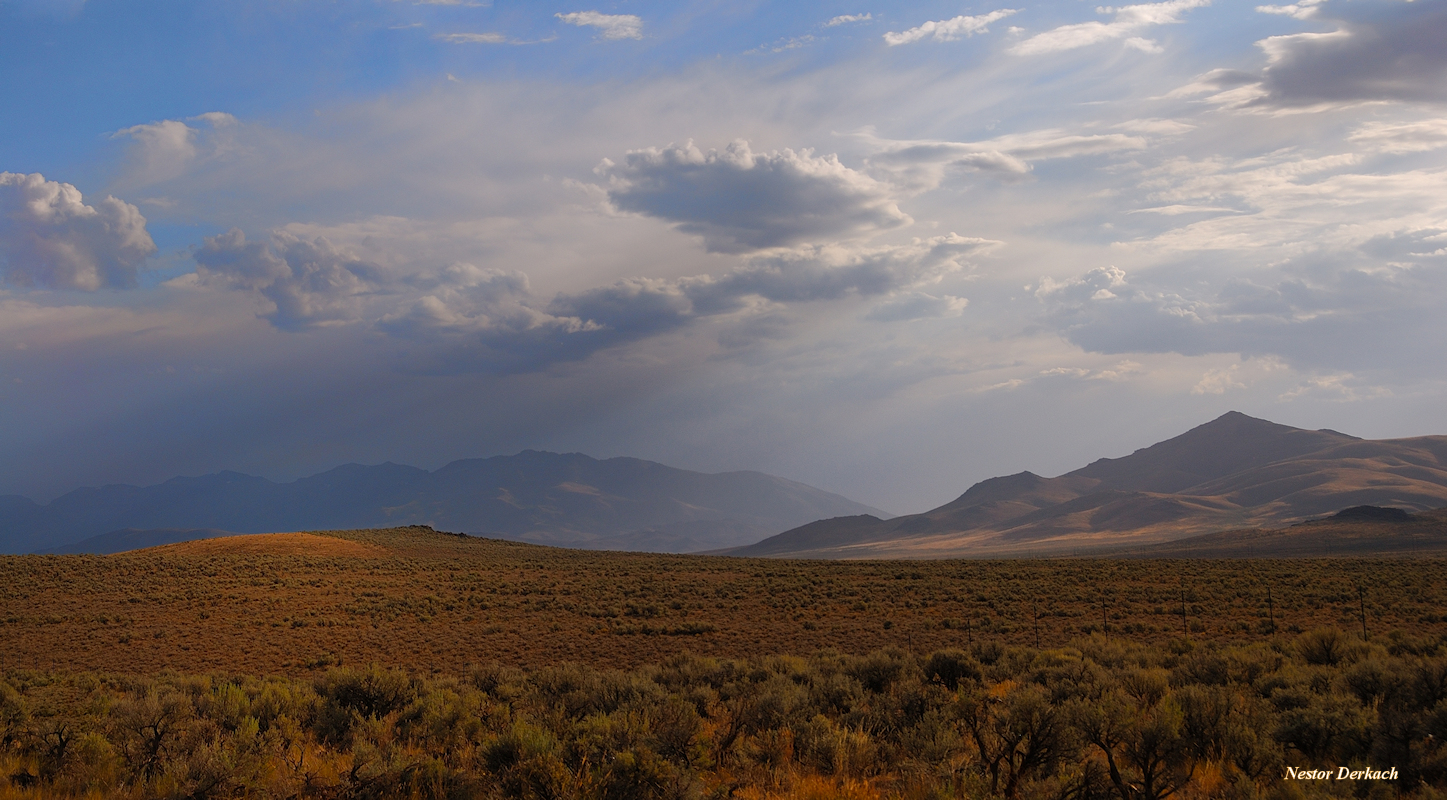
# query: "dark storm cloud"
(469, 319)
(1381, 51)
(574, 326)
(739, 201)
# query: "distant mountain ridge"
(548, 498)
(1234, 472)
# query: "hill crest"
(1234, 472)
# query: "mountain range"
(1235, 472)
(569, 500)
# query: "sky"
(887, 250)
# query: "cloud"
(1306, 9)
(476, 319)
(739, 201)
(164, 150)
(1144, 45)
(610, 26)
(807, 274)
(919, 165)
(1322, 310)
(1219, 381)
(486, 38)
(948, 30)
(307, 283)
(1128, 20)
(905, 306)
(848, 19)
(574, 326)
(1401, 137)
(1341, 388)
(1379, 52)
(50, 238)
(783, 45)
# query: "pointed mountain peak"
(1227, 444)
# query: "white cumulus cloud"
(50, 238)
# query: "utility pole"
(1270, 610)
(1104, 620)
(1035, 612)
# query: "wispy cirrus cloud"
(611, 27)
(1401, 137)
(1128, 21)
(488, 37)
(920, 165)
(848, 19)
(1306, 9)
(948, 30)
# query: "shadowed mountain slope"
(561, 499)
(131, 539)
(1356, 532)
(1234, 472)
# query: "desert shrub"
(349, 695)
(1016, 732)
(148, 728)
(1144, 748)
(950, 667)
(876, 671)
(1037, 723)
(13, 717)
(1207, 714)
(1322, 647)
(836, 693)
(822, 745)
(497, 680)
(227, 705)
(1373, 680)
(1147, 687)
(1429, 682)
(1330, 726)
(988, 652)
(675, 731)
(448, 719)
(524, 764)
(1206, 667)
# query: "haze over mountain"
(549, 498)
(1232, 473)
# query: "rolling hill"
(568, 500)
(1235, 472)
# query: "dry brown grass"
(274, 544)
(301, 603)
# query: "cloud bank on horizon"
(888, 251)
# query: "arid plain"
(298, 604)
